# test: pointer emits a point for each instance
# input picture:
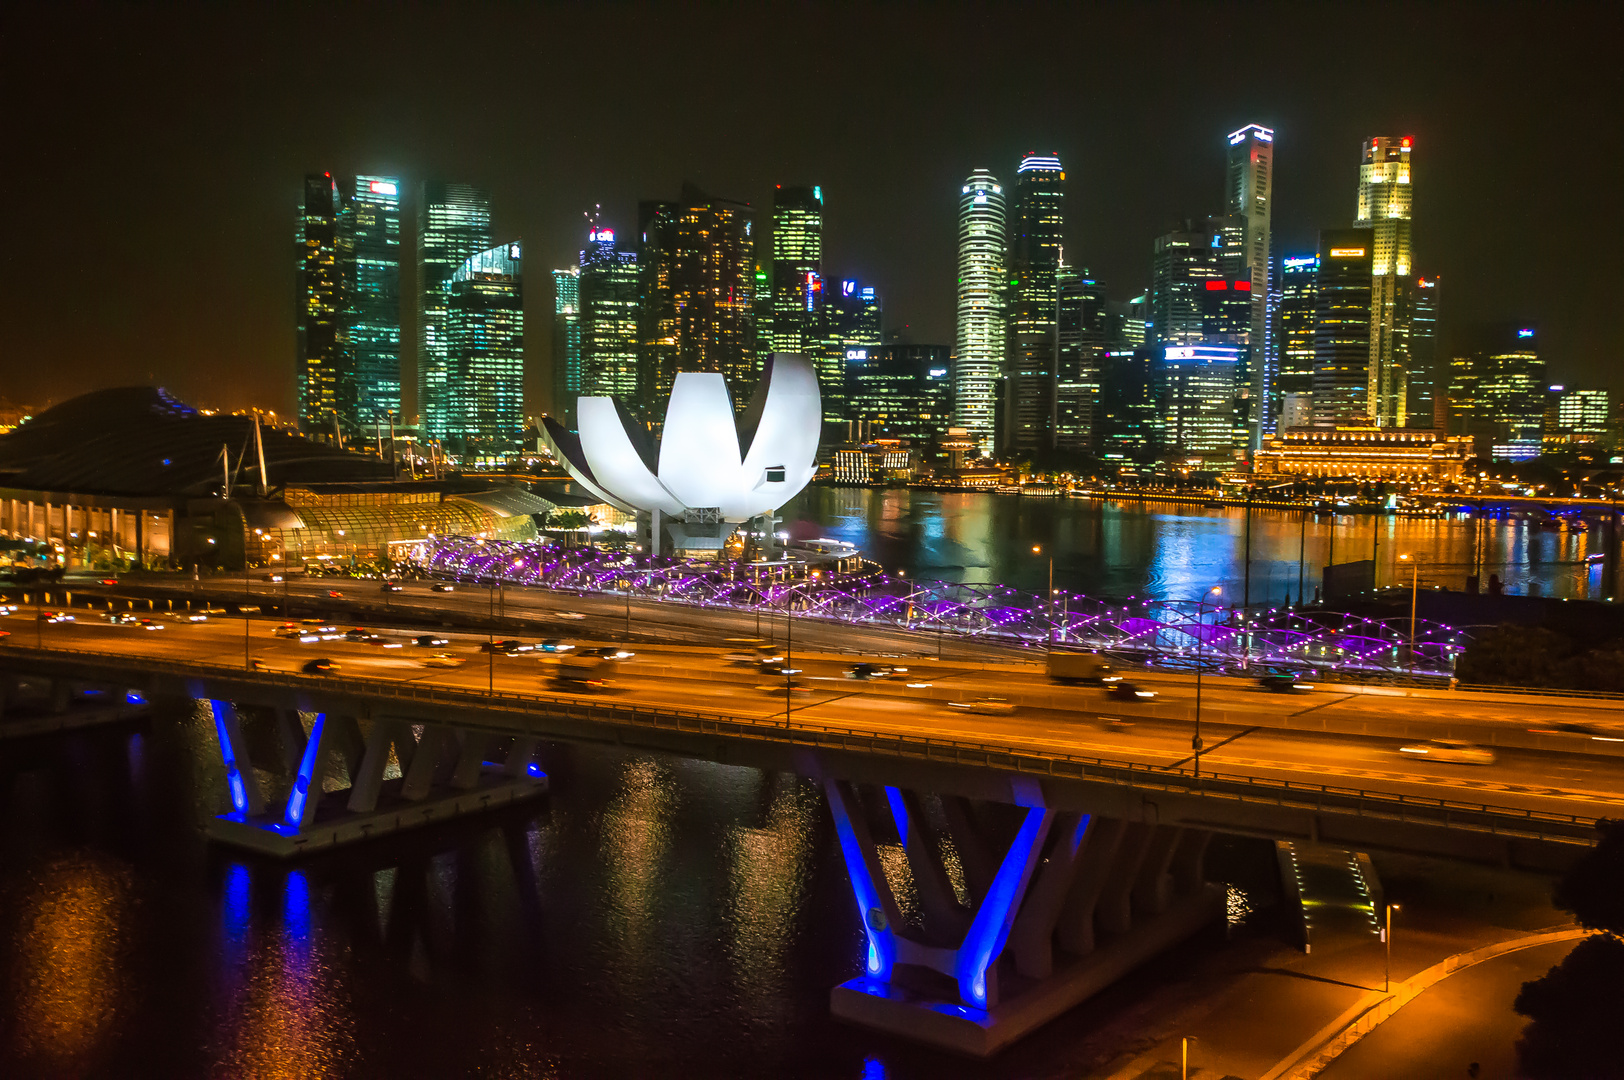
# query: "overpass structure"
(1080, 846)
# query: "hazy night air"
(162, 152)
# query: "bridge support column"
(1058, 874)
(944, 916)
(243, 785)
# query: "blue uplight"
(133, 697)
(239, 793)
(307, 774)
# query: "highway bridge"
(1080, 818)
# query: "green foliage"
(1576, 1011)
(1511, 655)
(1593, 889)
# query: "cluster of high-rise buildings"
(1232, 344)
(469, 307)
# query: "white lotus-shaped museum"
(706, 459)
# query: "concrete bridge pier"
(1061, 904)
(34, 705)
(446, 772)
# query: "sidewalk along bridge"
(1075, 868)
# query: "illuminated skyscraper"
(1080, 336)
(1425, 394)
(1293, 335)
(1342, 327)
(1248, 194)
(349, 302)
(1182, 262)
(566, 343)
(900, 391)
(453, 222)
(608, 297)
(797, 253)
(484, 336)
(1035, 238)
(1385, 198)
(980, 346)
(696, 289)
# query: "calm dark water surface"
(651, 918)
(1177, 551)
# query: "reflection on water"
(1177, 551)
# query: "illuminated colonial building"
(453, 222)
(980, 347)
(1385, 198)
(1248, 194)
(1035, 237)
(1366, 454)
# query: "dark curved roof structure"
(141, 440)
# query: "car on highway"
(1283, 682)
(256, 664)
(123, 618)
(360, 633)
(1127, 691)
(9, 609)
(288, 630)
(870, 671)
(193, 616)
(442, 586)
(1612, 733)
(149, 624)
(336, 594)
(753, 654)
(55, 616)
(795, 687)
(429, 641)
(781, 671)
(4, 634)
(608, 652)
(570, 615)
(506, 647)
(319, 666)
(1456, 751)
(555, 645)
(392, 586)
(989, 706)
(444, 660)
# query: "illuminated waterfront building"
(484, 334)
(566, 342)
(348, 327)
(797, 247)
(899, 391)
(1248, 195)
(453, 223)
(1035, 237)
(1129, 418)
(1583, 413)
(1294, 320)
(980, 340)
(1510, 390)
(1424, 396)
(1385, 201)
(1342, 283)
(608, 304)
(696, 294)
(1082, 327)
(1198, 384)
(1366, 454)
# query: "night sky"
(155, 155)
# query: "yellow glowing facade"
(1366, 454)
(1386, 196)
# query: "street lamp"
(1037, 549)
(1387, 940)
(1200, 662)
(1415, 588)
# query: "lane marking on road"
(1211, 749)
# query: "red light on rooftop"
(1243, 286)
(1214, 286)
(1406, 140)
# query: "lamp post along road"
(1415, 589)
(1037, 549)
(1200, 662)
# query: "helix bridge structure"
(1172, 634)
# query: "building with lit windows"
(1425, 394)
(1510, 391)
(1342, 283)
(1583, 413)
(797, 247)
(980, 340)
(881, 461)
(608, 304)
(1129, 418)
(1036, 221)
(453, 223)
(1081, 331)
(1180, 266)
(696, 294)
(1198, 384)
(1294, 320)
(900, 391)
(1366, 455)
(348, 326)
(1385, 200)
(1248, 195)
(484, 333)
(566, 342)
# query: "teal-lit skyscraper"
(797, 260)
(608, 294)
(566, 343)
(348, 283)
(1035, 238)
(453, 223)
(484, 336)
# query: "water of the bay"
(653, 917)
(1174, 551)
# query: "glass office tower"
(1037, 215)
(980, 340)
(566, 343)
(324, 373)
(373, 225)
(797, 253)
(484, 338)
(1293, 337)
(1080, 337)
(453, 223)
(608, 295)
(1385, 200)
(1248, 195)
(1342, 328)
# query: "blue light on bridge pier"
(234, 779)
(307, 774)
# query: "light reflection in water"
(635, 838)
(768, 872)
(68, 981)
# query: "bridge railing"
(1500, 820)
